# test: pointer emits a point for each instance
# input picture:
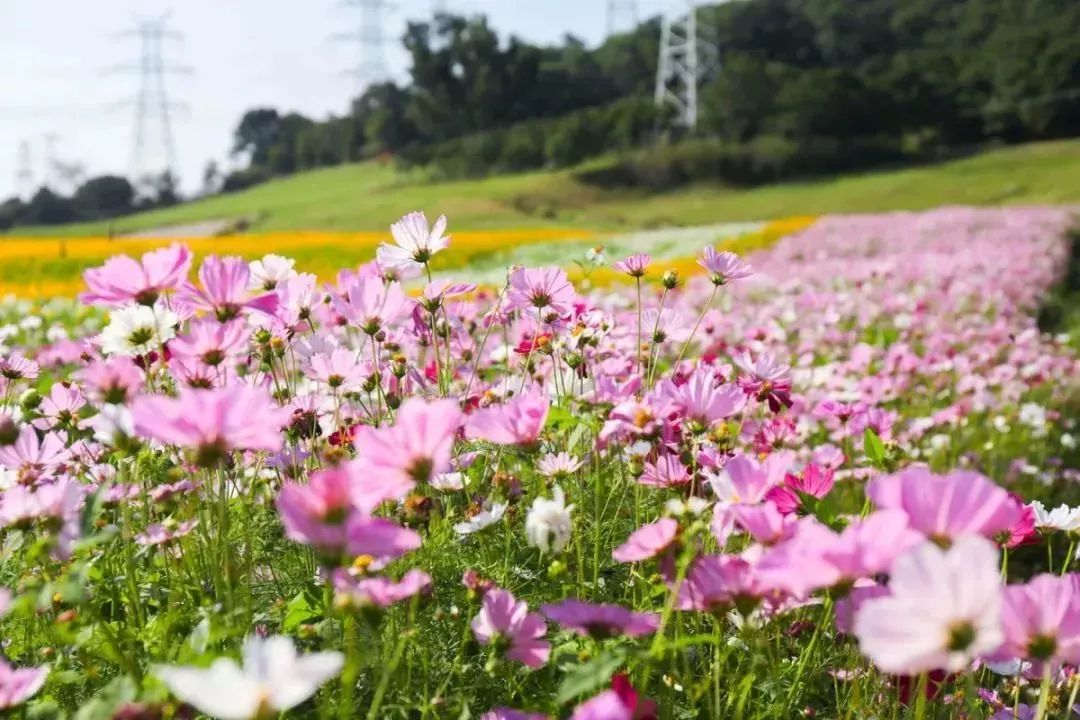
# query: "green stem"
(1044, 693)
(690, 339)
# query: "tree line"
(794, 87)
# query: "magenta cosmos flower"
(225, 289)
(1041, 620)
(766, 379)
(634, 265)
(943, 610)
(213, 422)
(17, 685)
(507, 622)
(814, 481)
(122, 279)
(516, 422)
(944, 507)
(717, 583)
(621, 702)
(503, 713)
(546, 291)
(601, 620)
(417, 447)
(723, 267)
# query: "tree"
(105, 196)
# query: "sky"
(56, 54)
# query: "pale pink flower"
(766, 379)
(634, 265)
(503, 713)
(515, 422)
(943, 609)
(417, 446)
(723, 267)
(764, 522)
(543, 291)
(503, 618)
(60, 408)
(35, 458)
(338, 369)
(113, 381)
(213, 422)
(705, 402)
(665, 471)
(744, 480)
(57, 504)
(621, 702)
(212, 343)
(17, 366)
(944, 507)
(379, 592)
(648, 541)
(719, 582)
(122, 279)
(416, 244)
(1041, 620)
(17, 685)
(370, 304)
(316, 513)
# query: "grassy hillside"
(368, 197)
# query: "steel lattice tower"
(371, 40)
(688, 54)
(622, 16)
(152, 153)
(24, 171)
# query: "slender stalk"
(637, 348)
(1044, 693)
(690, 339)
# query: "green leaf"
(298, 612)
(873, 447)
(593, 675)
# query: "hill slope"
(369, 197)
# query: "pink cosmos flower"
(648, 541)
(417, 447)
(416, 244)
(744, 480)
(634, 265)
(56, 504)
(112, 381)
(213, 422)
(17, 685)
(813, 481)
(212, 343)
(503, 618)
(766, 379)
(665, 471)
(122, 279)
(316, 513)
(370, 304)
(224, 291)
(621, 702)
(35, 458)
(502, 713)
(723, 267)
(717, 583)
(515, 422)
(944, 507)
(869, 546)
(764, 522)
(379, 538)
(18, 367)
(338, 369)
(379, 591)
(61, 407)
(601, 620)
(943, 610)
(1041, 620)
(543, 291)
(704, 402)
(159, 534)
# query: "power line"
(622, 16)
(152, 153)
(370, 40)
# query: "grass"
(369, 196)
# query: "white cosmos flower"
(548, 524)
(267, 273)
(561, 464)
(137, 330)
(1062, 517)
(481, 520)
(448, 482)
(111, 423)
(416, 242)
(943, 611)
(273, 679)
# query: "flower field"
(832, 476)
